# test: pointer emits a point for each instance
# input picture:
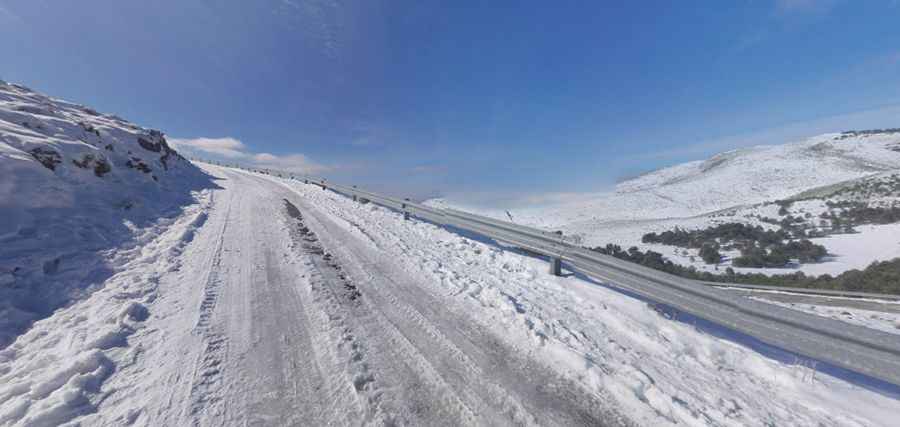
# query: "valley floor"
(272, 302)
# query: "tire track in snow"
(292, 372)
(413, 391)
(204, 398)
(387, 351)
(515, 385)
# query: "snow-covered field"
(736, 186)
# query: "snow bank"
(73, 182)
(85, 200)
(54, 372)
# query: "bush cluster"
(759, 247)
(730, 232)
(878, 277)
(856, 213)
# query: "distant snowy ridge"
(73, 182)
(763, 173)
(737, 177)
(733, 186)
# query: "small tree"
(710, 254)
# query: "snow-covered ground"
(736, 186)
(74, 184)
(272, 302)
(137, 289)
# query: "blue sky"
(426, 98)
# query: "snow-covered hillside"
(739, 185)
(73, 183)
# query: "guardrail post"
(555, 266)
(405, 212)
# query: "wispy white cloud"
(225, 147)
(798, 7)
(8, 15)
(233, 149)
(366, 133)
(321, 20)
(297, 163)
(430, 169)
(784, 13)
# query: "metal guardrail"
(809, 291)
(858, 349)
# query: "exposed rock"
(51, 266)
(101, 166)
(85, 161)
(149, 145)
(47, 157)
(136, 163)
(89, 128)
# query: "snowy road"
(303, 320)
(271, 302)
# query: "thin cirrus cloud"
(226, 147)
(788, 7)
(233, 149)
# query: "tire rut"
(204, 400)
(513, 385)
(412, 391)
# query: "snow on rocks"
(80, 225)
(73, 183)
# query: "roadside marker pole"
(555, 266)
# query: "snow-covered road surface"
(302, 320)
(276, 303)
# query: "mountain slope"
(739, 185)
(73, 182)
